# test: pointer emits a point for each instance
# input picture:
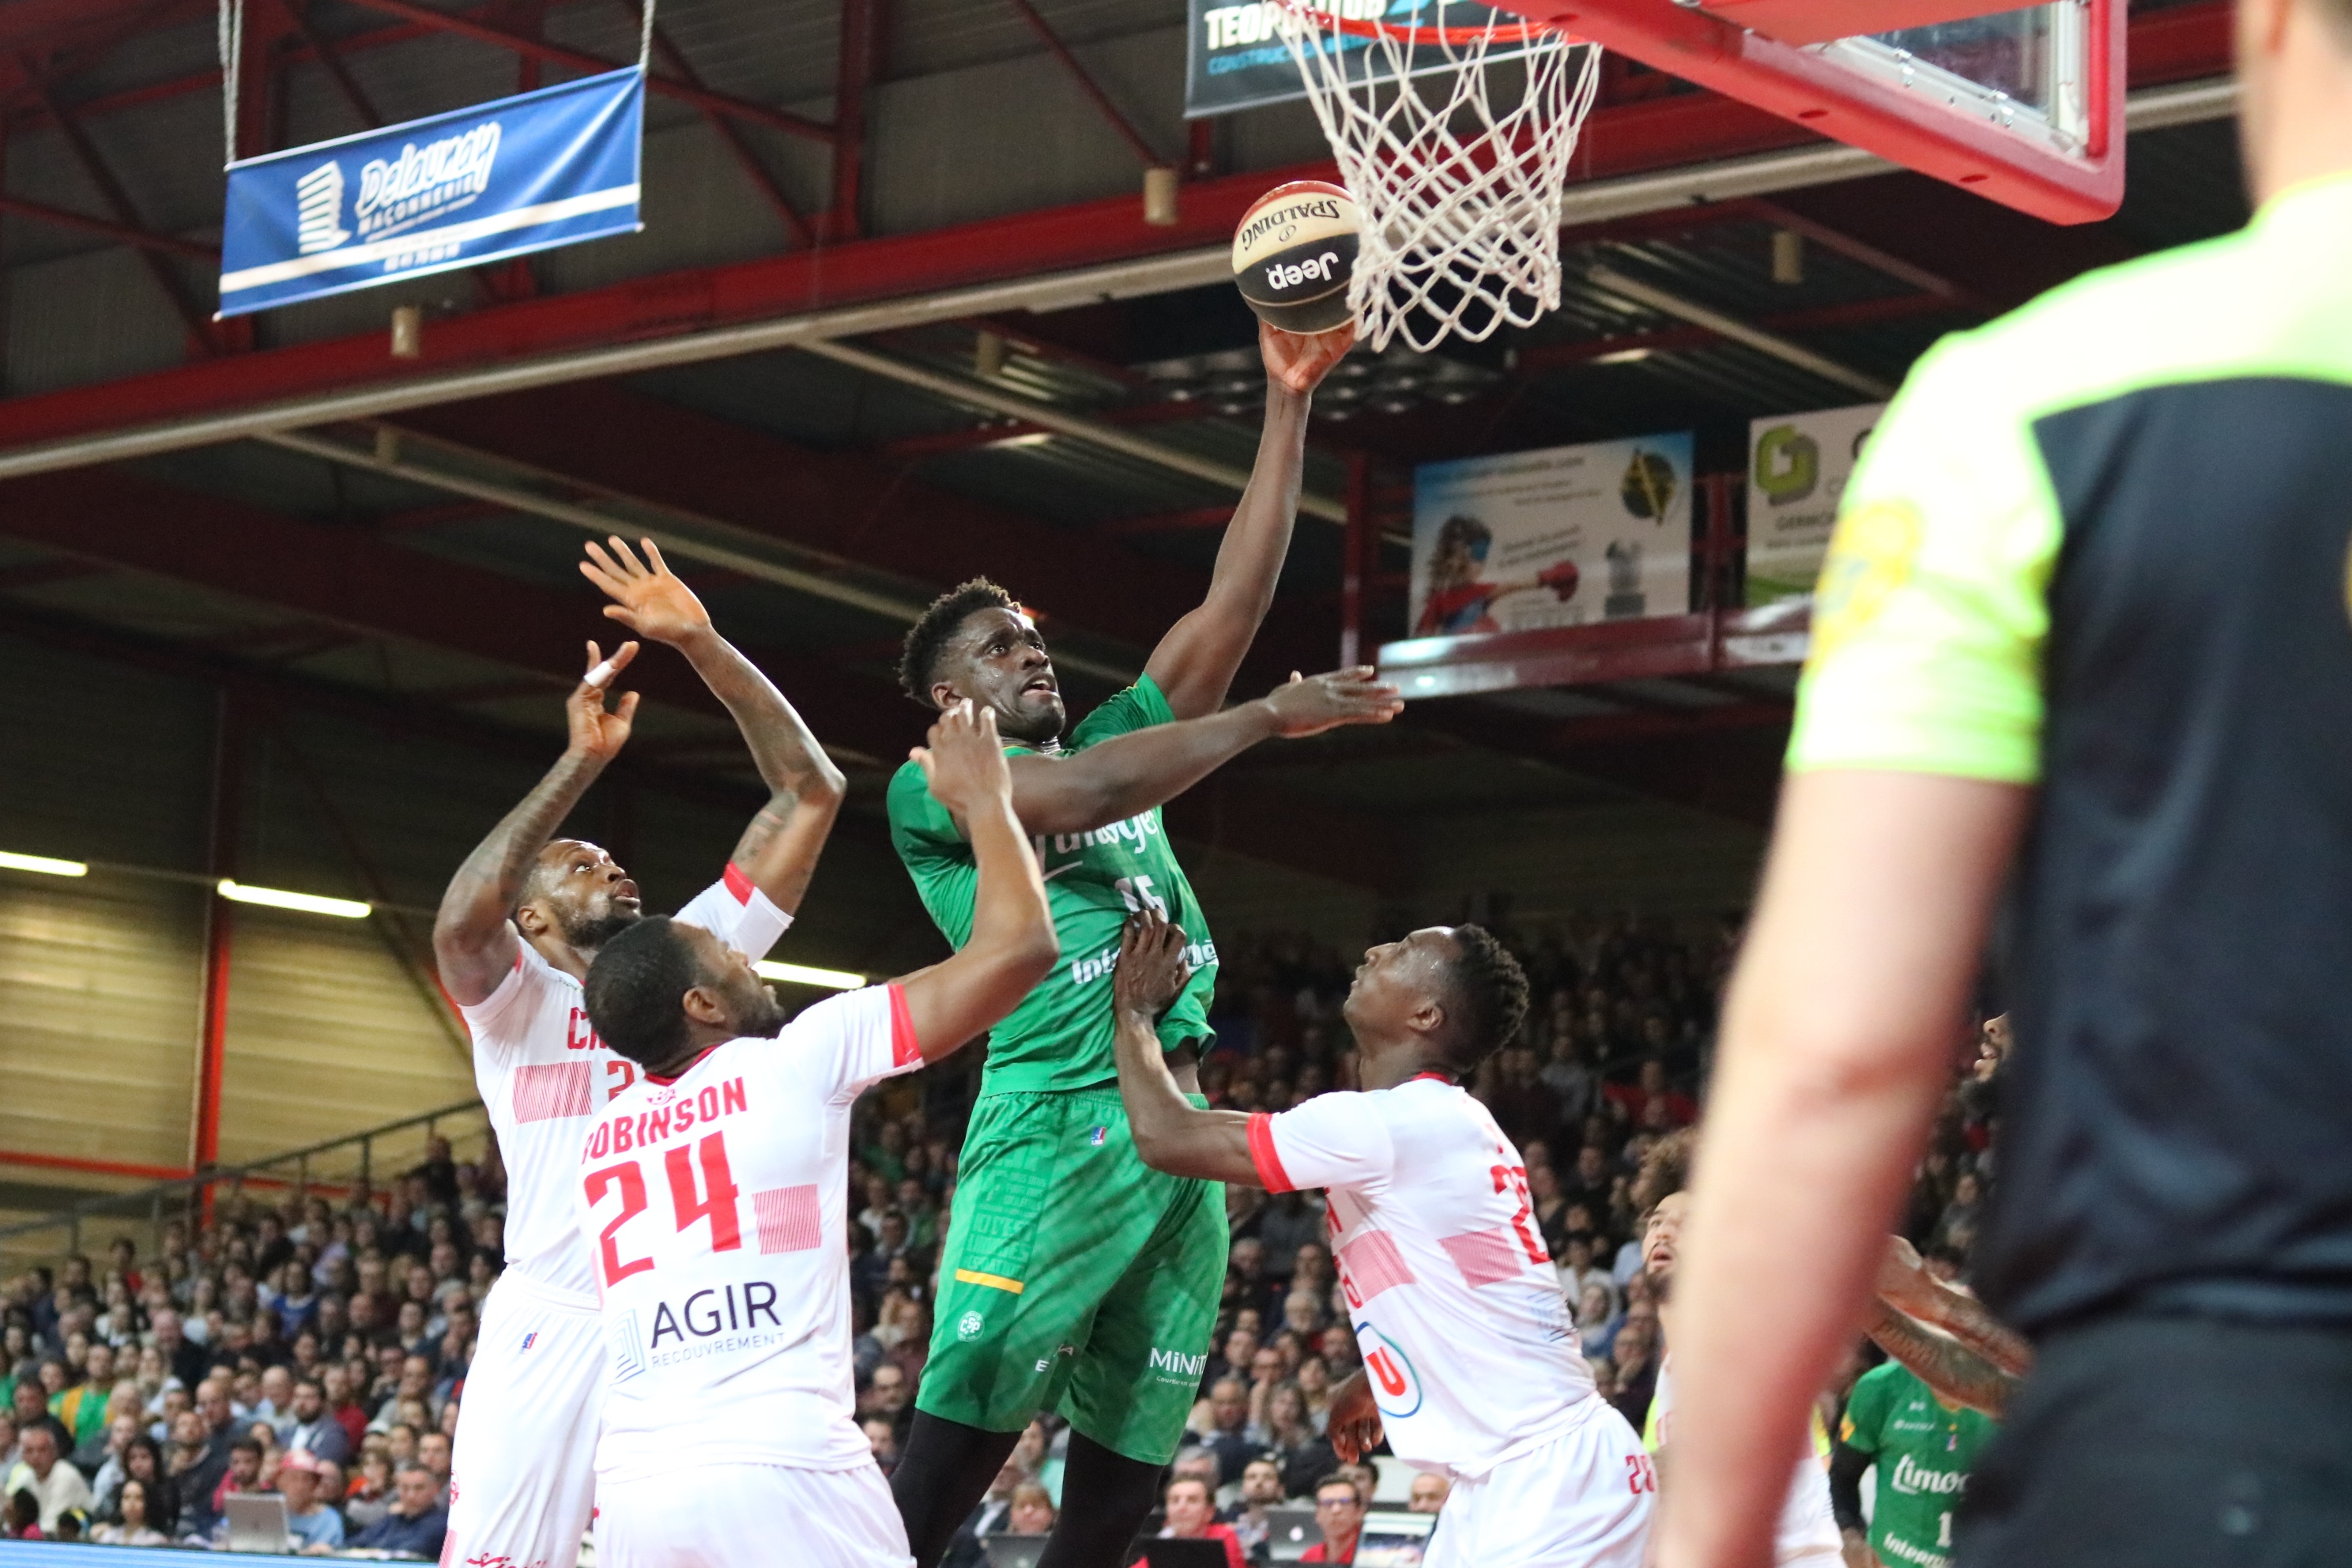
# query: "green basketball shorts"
(1075, 1278)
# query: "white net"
(1460, 202)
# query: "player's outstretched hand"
(1355, 1420)
(1152, 970)
(1299, 361)
(1358, 696)
(964, 764)
(647, 597)
(594, 731)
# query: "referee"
(2083, 648)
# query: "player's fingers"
(626, 708)
(654, 555)
(636, 568)
(623, 655)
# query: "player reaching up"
(717, 1193)
(1073, 1277)
(517, 927)
(1807, 1530)
(1471, 1364)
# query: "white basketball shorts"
(1581, 1501)
(718, 1515)
(522, 1473)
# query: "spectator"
(1032, 1510)
(143, 1461)
(882, 1440)
(988, 1517)
(23, 1516)
(130, 1525)
(1192, 1516)
(186, 1359)
(1226, 1437)
(432, 1451)
(1428, 1494)
(415, 1523)
(31, 1409)
(371, 1496)
(1291, 1441)
(106, 1477)
(50, 1476)
(242, 1477)
(277, 1400)
(889, 1397)
(1339, 1510)
(312, 1525)
(335, 1386)
(308, 1425)
(80, 1409)
(1261, 1488)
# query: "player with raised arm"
(1073, 1277)
(1471, 1368)
(517, 927)
(1806, 1529)
(716, 1196)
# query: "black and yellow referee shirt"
(2103, 547)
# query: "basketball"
(1294, 253)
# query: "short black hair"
(1666, 1169)
(919, 661)
(635, 989)
(1340, 1478)
(1491, 990)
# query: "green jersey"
(1925, 1450)
(1060, 1036)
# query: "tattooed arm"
(1905, 1284)
(779, 850)
(1953, 1370)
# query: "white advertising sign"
(1798, 465)
(1555, 538)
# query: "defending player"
(516, 929)
(1471, 1364)
(1072, 1276)
(717, 1193)
(1925, 1447)
(1806, 1532)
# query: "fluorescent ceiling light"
(1623, 357)
(43, 864)
(309, 903)
(801, 974)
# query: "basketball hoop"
(1460, 202)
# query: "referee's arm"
(1912, 768)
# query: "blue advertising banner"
(1235, 57)
(543, 169)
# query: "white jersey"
(543, 1072)
(716, 1207)
(1469, 1348)
(1807, 1529)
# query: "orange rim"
(1520, 33)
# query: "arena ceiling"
(896, 320)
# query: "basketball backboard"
(2021, 105)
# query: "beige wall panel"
(100, 978)
(327, 1034)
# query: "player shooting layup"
(517, 927)
(1471, 1364)
(1073, 1278)
(717, 1193)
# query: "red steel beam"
(1634, 138)
(323, 50)
(122, 233)
(1087, 83)
(220, 930)
(729, 137)
(93, 1167)
(350, 579)
(843, 503)
(859, 56)
(467, 27)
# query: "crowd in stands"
(309, 1346)
(318, 1347)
